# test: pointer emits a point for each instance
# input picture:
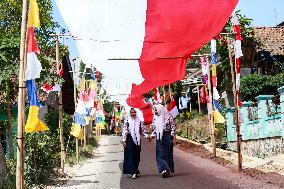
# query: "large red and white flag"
(146, 42)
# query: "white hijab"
(134, 127)
(160, 120)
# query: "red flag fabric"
(174, 30)
(136, 102)
(148, 114)
(31, 42)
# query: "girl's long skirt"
(131, 157)
(164, 153)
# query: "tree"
(10, 16)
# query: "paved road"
(192, 172)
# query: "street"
(192, 172)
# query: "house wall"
(262, 127)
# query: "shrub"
(254, 85)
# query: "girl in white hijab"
(131, 141)
(164, 130)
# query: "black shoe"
(134, 176)
(165, 174)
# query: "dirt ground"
(199, 150)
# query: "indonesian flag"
(173, 108)
(49, 88)
(146, 42)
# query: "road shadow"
(78, 183)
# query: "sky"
(263, 12)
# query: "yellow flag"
(33, 14)
(77, 131)
(218, 118)
(213, 70)
(34, 124)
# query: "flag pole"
(60, 124)
(239, 139)
(210, 111)
(75, 103)
(20, 132)
(170, 91)
(198, 98)
(164, 95)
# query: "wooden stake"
(21, 103)
(75, 103)
(85, 136)
(164, 95)
(239, 137)
(198, 97)
(77, 150)
(190, 108)
(210, 111)
(62, 155)
(170, 91)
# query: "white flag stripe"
(174, 112)
(118, 28)
(33, 68)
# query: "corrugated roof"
(272, 39)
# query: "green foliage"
(42, 158)
(42, 155)
(10, 177)
(108, 106)
(254, 85)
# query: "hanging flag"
(157, 51)
(173, 108)
(49, 88)
(33, 68)
(33, 18)
(218, 118)
(34, 124)
(148, 114)
(77, 131)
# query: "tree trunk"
(2, 166)
(10, 128)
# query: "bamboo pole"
(164, 95)
(170, 91)
(60, 124)
(75, 103)
(239, 137)
(210, 111)
(85, 136)
(20, 134)
(198, 98)
(190, 108)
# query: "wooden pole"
(190, 108)
(164, 95)
(239, 137)
(60, 124)
(21, 103)
(75, 103)
(85, 136)
(198, 97)
(210, 111)
(170, 91)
